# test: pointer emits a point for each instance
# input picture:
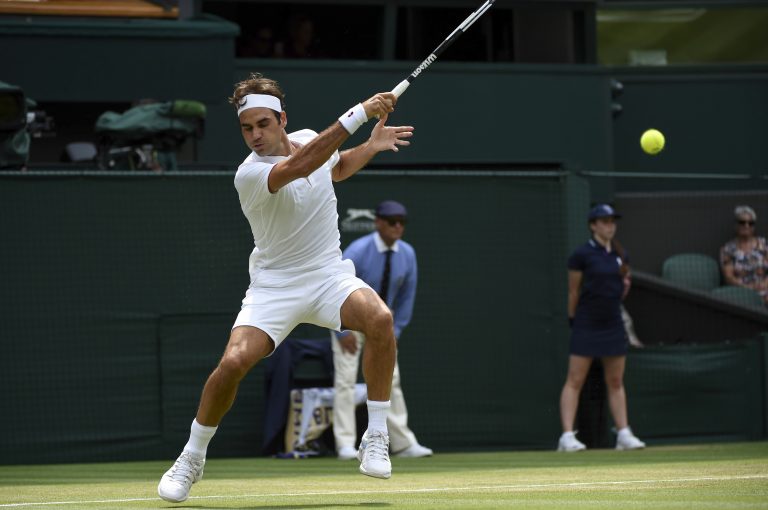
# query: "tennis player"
(297, 275)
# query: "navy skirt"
(597, 342)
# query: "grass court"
(716, 476)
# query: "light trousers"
(346, 367)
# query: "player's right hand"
(380, 104)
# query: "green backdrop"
(118, 293)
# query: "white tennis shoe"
(415, 450)
(347, 453)
(626, 440)
(176, 482)
(569, 443)
(374, 455)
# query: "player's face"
(604, 228)
(390, 228)
(262, 132)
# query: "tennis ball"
(652, 141)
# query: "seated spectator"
(301, 41)
(744, 259)
(260, 45)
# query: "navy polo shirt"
(601, 286)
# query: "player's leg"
(345, 367)
(578, 368)
(364, 311)
(617, 400)
(247, 345)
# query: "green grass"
(718, 476)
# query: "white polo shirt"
(296, 229)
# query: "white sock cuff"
(624, 431)
(203, 430)
(199, 437)
(378, 404)
(377, 415)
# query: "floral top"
(750, 267)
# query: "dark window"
(288, 30)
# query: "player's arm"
(382, 138)
(311, 156)
(574, 285)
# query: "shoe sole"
(627, 448)
(573, 450)
(383, 476)
(171, 500)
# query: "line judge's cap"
(602, 211)
(391, 208)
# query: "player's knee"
(381, 323)
(234, 366)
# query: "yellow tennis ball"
(652, 141)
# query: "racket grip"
(400, 88)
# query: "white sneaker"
(415, 450)
(175, 484)
(347, 453)
(374, 455)
(628, 441)
(569, 443)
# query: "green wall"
(463, 113)
(119, 293)
(115, 60)
(713, 118)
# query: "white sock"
(626, 431)
(377, 415)
(569, 433)
(199, 437)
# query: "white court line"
(404, 491)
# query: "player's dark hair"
(257, 84)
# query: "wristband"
(354, 118)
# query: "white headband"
(259, 101)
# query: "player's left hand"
(385, 137)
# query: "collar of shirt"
(599, 246)
(381, 245)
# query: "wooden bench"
(113, 8)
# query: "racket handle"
(400, 88)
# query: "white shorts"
(278, 302)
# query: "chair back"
(739, 295)
(693, 270)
